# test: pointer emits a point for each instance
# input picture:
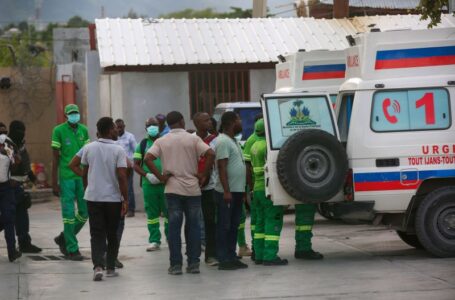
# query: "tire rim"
(315, 166)
(446, 222)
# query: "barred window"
(209, 88)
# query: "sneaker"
(276, 262)
(153, 247)
(228, 266)
(60, 241)
(244, 251)
(240, 264)
(175, 270)
(211, 261)
(193, 269)
(118, 264)
(13, 255)
(75, 256)
(130, 214)
(111, 273)
(310, 255)
(98, 274)
(30, 248)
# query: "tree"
(134, 15)
(76, 22)
(209, 13)
(432, 9)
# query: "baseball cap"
(259, 126)
(71, 108)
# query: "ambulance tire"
(325, 211)
(410, 239)
(434, 222)
(312, 166)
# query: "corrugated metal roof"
(394, 4)
(137, 42)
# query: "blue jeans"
(8, 214)
(131, 199)
(228, 220)
(190, 206)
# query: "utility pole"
(259, 8)
(340, 9)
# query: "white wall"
(261, 82)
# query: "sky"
(62, 10)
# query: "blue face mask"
(153, 130)
(74, 118)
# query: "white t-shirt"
(103, 157)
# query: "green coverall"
(269, 218)
(154, 200)
(68, 141)
(304, 220)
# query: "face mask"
(153, 130)
(74, 118)
(238, 137)
(2, 138)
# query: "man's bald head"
(202, 121)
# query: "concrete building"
(150, 66)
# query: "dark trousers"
(104, 218)
(178, 206)
(131, 199)
(22, 219)
(8, 213)
(228, 220)
(209, 214)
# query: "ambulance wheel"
(410, 239)
(435, 222)
(325, 211)
(312, 166)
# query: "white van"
(395, 122)
(247, 112)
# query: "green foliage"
(209, 13)
(432, 9)
(134, 15)
(76, 22)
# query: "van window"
(247, 115)
(287, 115)
(410, 110)
(344, 116)
(333, 99)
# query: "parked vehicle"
(396, 146)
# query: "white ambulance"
(395, 121)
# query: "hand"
(56, 190)
(165, 178)
(227, 196)
(124, 210)
(152, 178)
(203, 179)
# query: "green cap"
(71, 108)
(259, 127)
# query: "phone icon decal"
(386, 104)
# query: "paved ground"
(362, 262)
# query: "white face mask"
(2, 138)
(238, 137)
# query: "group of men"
(200, 177)
(15, 170)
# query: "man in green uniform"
(153, 189)
(250, 180)
(269, 217)
(304, 220)
(67, 139)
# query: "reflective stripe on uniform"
(80, 218)
(153, 221)
(258, 169)
(247, 157)
(253, 227)
(166, 220)
(137, 155)
(259, 236)
(55, 144)
(69, 221)
(303, 228)
(242, 226)
(274, 238)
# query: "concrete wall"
(31, 100)
(261, 82)
(70, 45)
